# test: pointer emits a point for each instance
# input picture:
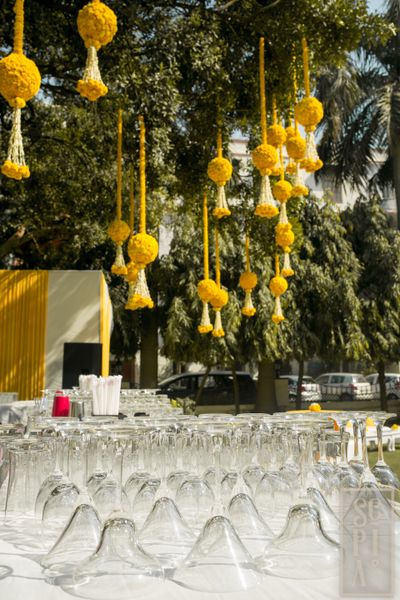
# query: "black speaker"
(80, 359)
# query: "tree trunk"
(236, 393)
(299, 385)
(149, 350)
(266, 397)
(395, 155)
(382, 386)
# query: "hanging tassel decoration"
(220, 298)
(19, 82)
(248, 281)
(97, 25)
(309, 112)
(276, 137)
(265, 155)
(287, 270)
(142, 247)
(220, 171)
(207, 288)
(278, 286)
(119, 230)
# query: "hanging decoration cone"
(206, 288)
(119, 230)
(19, 82)
(282, 192)
(264, 156)
(142, 247)
(309, 112)
(220, 297)
(97, 25)
(278, 286)
(248, 282)
(220, 171)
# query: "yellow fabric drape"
(23, 312)
(105, 326)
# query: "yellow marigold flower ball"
(14, 171)
(119, 270)
(309, 112)
(142, 249)
(118, 231)
(91, 89)
(277, 319)
(248, 281)
(394, 426)
(218, 333)
(219, 299)
(310, 165)
(284, 235)
(314, 407)
(278, 285)
(282, 190)
(19, 79)
(219, 170)
(300, 190)
(220, 212)
(291, 168)
(290, 132)
(287, 272)
(296, 147)
(97, 24)
(370, 422)
(264, 157)
(139, 301)
(266, 210)
(207, 288)
(204, 328)
(276, 135)
(132, 271)
(248, 312)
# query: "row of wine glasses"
(215, 503)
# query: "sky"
(376, 4)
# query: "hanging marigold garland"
(220, 297)
(284, 235)
(119, 230)
(142, 247)
(220, 171)
(19, 82)
(131, 268)
(248, 281)
(97, 25)
(278, 286)
(309, 112)
(295, 147)
(206, 288)
(264, 156)
(276, 137)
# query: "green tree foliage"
(377, 247)
(362, 110)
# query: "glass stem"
(379, 434)
(356, 455)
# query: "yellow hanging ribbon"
(142, 175)
(263, 102)
(306, 67)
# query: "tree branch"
(13, 242)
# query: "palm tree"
(362, 115)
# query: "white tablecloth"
(23, 580)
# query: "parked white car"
(392, 382)
(310, 390)
(344, 387)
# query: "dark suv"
(217, 394)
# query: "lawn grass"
(391, 458)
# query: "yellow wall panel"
(23, 313)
